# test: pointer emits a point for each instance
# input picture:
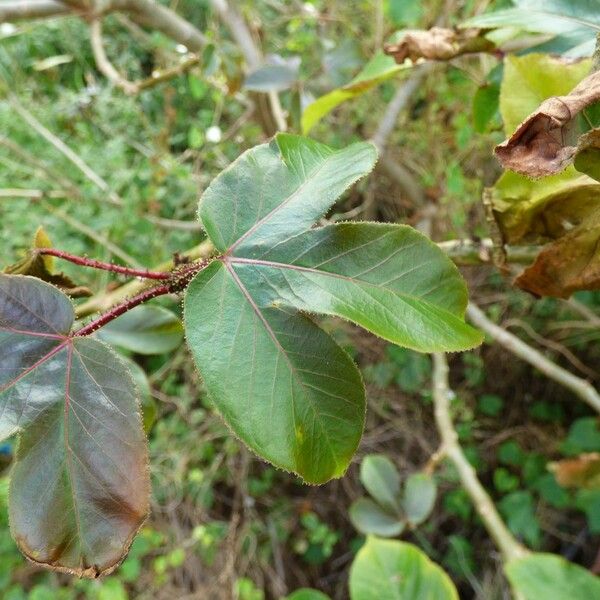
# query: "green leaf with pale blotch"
(282, 384)
(144, 330)
(369, 518)
(392, 570)
(79, 484)
(419, 497)
(550, 577)
(376, 71)
(381, 479)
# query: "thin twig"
(580, 387)
(506, 542)
(104, 64)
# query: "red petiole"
(178, 281)
(97, 264)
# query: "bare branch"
(159, 17)
(102, 62)
(240, 32)
(477, 252)
(16, 10)
(251, 52)
(580, 387)
(144, 12)
(484, 505)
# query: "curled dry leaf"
(439, 43)
(567, 265)
(583, 471)
(539, 146)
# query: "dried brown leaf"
(567, 265)
(540, 144)
(582, 471)
(439, 43)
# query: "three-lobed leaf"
(282, 384)
(79, 485)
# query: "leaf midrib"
(278, 265)
(271, 333)
(277, 208)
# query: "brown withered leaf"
(582, 471)
(439, 43)
(567, 265)
(42, 267)
(541, 144)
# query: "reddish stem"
(178, 281)
(120, 309)
(97, 264)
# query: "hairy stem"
(120, 309)
(104, 266)
(106, 300)
(178, 281)
(506, 542)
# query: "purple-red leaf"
(79, 484)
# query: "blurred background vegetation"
(224, 524)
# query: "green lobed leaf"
(380, 68)
(144, 330)
(280, 382)
(369, 518)
(381, 479)
(389, 279)
(283, 386)
(393, 570)
(419, 497)
(551, 577)
(79, 485)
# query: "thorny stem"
(178, 281)
(97, 264)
